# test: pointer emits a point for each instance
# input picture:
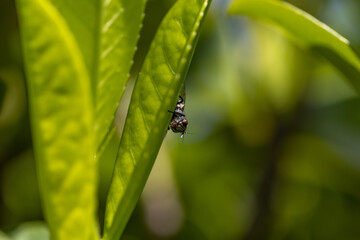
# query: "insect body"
(178, 121)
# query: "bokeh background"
(272, 150)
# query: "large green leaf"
(308, 31)
(62, 118)
(156, 91)
(107, 33)
(82, 18)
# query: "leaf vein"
(130, 149)
(181, 24)
(111, 47)
(167, 60)
(143, 117)
(110, 22)
(155, 85)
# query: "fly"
(178, 123)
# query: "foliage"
(159, 83)
(271, 147)
(80, 70)
(306, 30)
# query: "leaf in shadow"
(307, 31)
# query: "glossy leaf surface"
(155, 92)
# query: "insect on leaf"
(156, 91)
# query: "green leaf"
(120, 28)
(62, 118)
(82, 19)
(308, 31)
(156, 91)
(106, 33)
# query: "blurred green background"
(272, 145)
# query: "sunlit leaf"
(120, 27)
(82, 19)
(308, 31)
(62, 121)
(155, 92)
(106, 33)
